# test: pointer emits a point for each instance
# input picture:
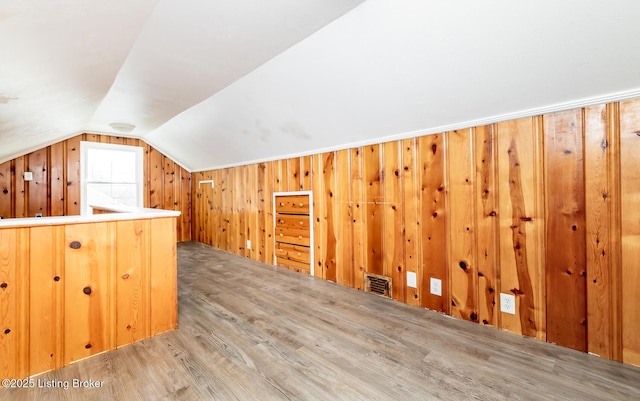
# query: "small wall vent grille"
(380, 285)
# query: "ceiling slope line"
(535, 111)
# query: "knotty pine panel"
(270, 226)
(37, 195)
(6, 190)
(295, 179)
(56, 165)
(238, 226)
(461, 228)
(630, 229)
(262, 212)
(305, 182)
(163, 283)
(602, 197)
(184, 205)
(331, 208)
(46, 292)
(14, 296)
(228, 200)
(155, 179)
(132, 278)
(374, 208)
(196, 208)
(20, 200)
(432, 152)
(411, 196)
(319, 216)
(225, 209)
(213, 197)
(393, 246)
(89, 309)
(55, 189)
(565, 239)
(506, 204)
(72, 204)
(169, 184)
(281, 176)
(487, 229)
(358, 211)
(521, 224)
(252, 208)
(343, 220)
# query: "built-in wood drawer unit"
(292, 204)
(293, 239)
(293, 252)
(293, 265)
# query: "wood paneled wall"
(55, 189)
(60, 304)
(543, 208)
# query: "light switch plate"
(412, 280)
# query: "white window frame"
(84, 151)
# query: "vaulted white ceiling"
(214, 83)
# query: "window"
(111, 175)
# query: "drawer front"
(293, 265)
(291, 221)
(292, 204)
(293, 236)
(293, 252)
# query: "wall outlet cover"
(412, 280)
(248, 244)
(435, 286)
(507, 303)
(28, 176)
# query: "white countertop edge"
(123, 213)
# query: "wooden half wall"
(55, 189)
(542, 208)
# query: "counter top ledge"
(119, 213)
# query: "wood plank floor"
(249, 331)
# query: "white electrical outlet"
(28, 176)
(507, 303)
(412, 280)
(248, 244)
(435, 286)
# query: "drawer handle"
(87, 290)
(281, 203)
(281, 234)
(281, 221)
(299, 236)
(75, 245)
(301, 204)
(299, 254)
(302, 223)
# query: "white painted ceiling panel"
(395, 67)
(218, 83)
(191, 49)
(57, 60)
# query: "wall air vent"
(376, 284)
